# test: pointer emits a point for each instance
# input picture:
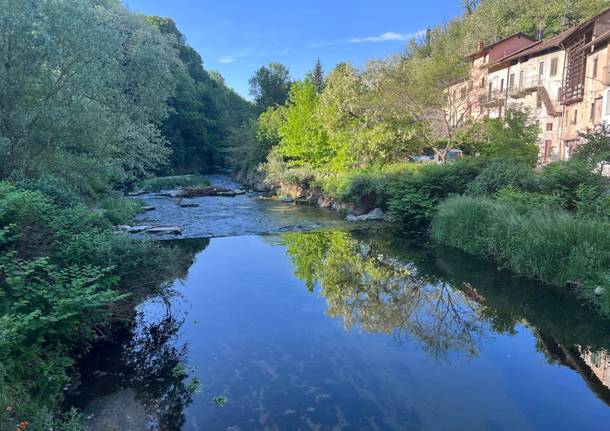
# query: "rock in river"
(375, 215)
(171, 230)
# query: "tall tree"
(269, 86)
(316, 76)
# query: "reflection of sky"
(257, 336)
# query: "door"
(540, 73)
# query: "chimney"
(480, 45)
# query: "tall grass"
(554, 247)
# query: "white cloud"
(386, 37)
(227, 59)
(389, 36)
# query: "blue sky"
(237, 37)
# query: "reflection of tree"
(382, 294)
(144, 355)
(154, 366)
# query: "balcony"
(493, 98)
(526, 86)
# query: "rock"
(239, 191)
(599, 291)
(187, 204)
(118, 411)
(286, 199)
(170, 193)
(228, 193)
(375, 215)
(170, 230)
(134, 229)
(136, 193)
(149, 208)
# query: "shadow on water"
(448, 306)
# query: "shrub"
(504, 173)
(118, 210)
(526, 201)
(413, 197)
(554, 247)
(177, 181)
(565, 178)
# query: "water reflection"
(139, 377)
(378, 292)
(373, 333)
(446, 300)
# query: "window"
(607, 107)
(511, 81)
(463, 92)
(594, 68)
(502, 84)
(592, 116)
(540, 72)
(549, 127)
(521, 77)
(553, 66)
(575, 117)
(482, 82)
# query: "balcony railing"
(526, 85)
(492, 98)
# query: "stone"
(239, 191)
(136, 193)
(134, 229)
(188, 204)
(599, 291)
(375, 215)
(149, 208)
(170, 230)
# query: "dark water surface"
(351, 330)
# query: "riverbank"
(552, 225)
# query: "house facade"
(563, 81)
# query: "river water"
(289, 319)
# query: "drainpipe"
(562, 144)
(506, 91)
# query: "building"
(563, 81)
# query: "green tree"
(595, 151)
(316, 76)
(269, 86)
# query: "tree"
(316, 76)
(269, 86)
(203, 111)
(83, 86)
(595, 151)
(513, 137)
(304, 142)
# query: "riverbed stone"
(376, 215)
(171, 230)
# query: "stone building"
(563, 81)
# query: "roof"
(538, 47)
(490, 46)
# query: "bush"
(565, 178)
(554, 247)
(177, 181)
(504, 173)
(526, 201)
(118, 210)
(63, 272)
(413, 197)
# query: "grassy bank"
(552, 246)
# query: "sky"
(237, 37)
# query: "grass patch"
(555, 247)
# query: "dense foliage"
(93, 99)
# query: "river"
(287, 318)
